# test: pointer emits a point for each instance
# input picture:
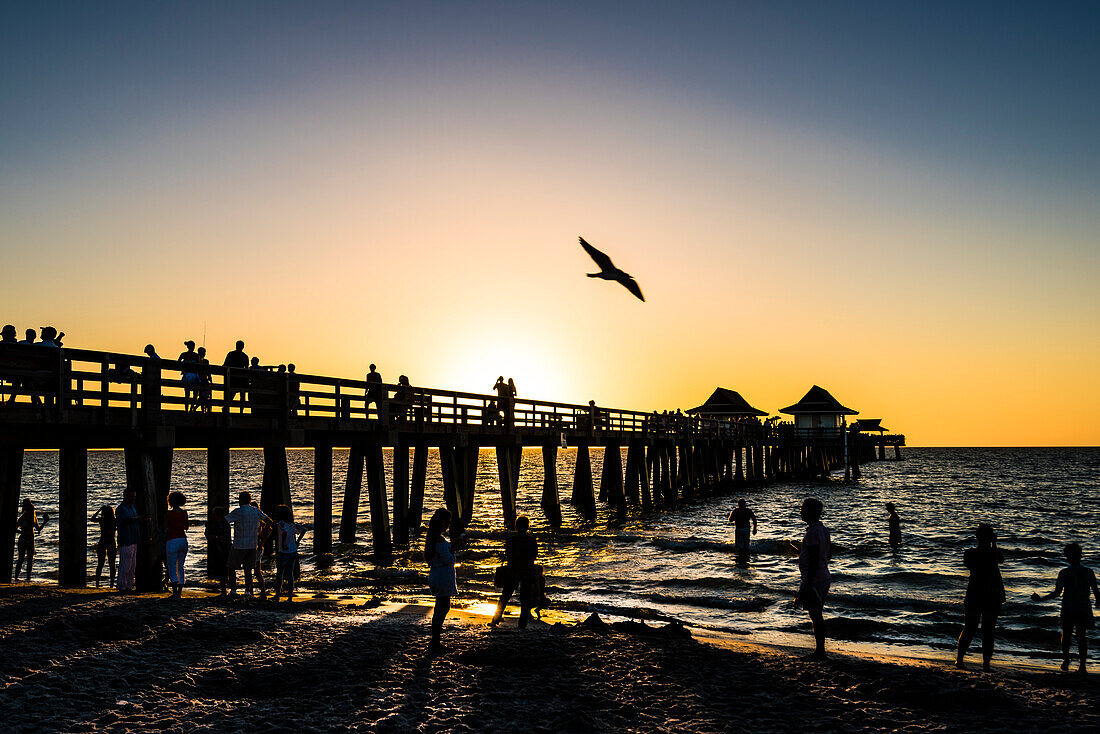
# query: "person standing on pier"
(985, 593)
(375, 393)
(205, 382)
(506, 393)
(1073, 585)
(106, 547)
(191, 381)
(127, 521)
(813, 566)
(245, 521)
(744, 522)
(235, 382)
(895, 525)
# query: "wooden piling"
(401, 492)
(647, 472)
(897, 452)
(322, 500)
(382, 545)
(217, 495)
(583, 495)
(551, 503)
(72, 548)
(738, 472)
(634, 449)
(353, 486)
(11, 476)
(612, 478)
(275, 489)
(416, 492)
(141, 478)
(508, 488)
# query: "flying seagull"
(608, 271)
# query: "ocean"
(679, 564)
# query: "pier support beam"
(275, 489)
(551, 503)
(141, 478)
(349, 514)
(506, 458)
(72, 547)
(382, 544)
(322, 502)
(401, 492)
(217, 495)
(611, 480)
(416, 492)
(739, 475)
(634, 449)
(11, 476)
(897, 452)
(583, 496)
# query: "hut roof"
(818, 400)
(723, 402)
(869, 424)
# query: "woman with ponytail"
(440, 555)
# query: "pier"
(73, 400)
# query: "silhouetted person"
(236, 379)
(440, 556)
(8, 335)
(506, 394)
(293, 386)
(246, 521)
(175, 541)
(286, 550)
(192, 383)
(491, 416)
(31, 335)
(28, 526)
(105, 547)
(813, 567)
(255, 364)
(206, 383)
(985, 593)
(374, 393)
(593, 415)
(50, 338)
(150, 352)
(895, 525)
(520, 551)
(402, 400)
(127, 523)
(1073, 585)
(744, 524)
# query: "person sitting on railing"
(191, 381)
(402, 400)
(235, 382)
(490, 416)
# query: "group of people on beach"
(985, 591)
(122, 528)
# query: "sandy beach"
(97, 661)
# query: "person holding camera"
(985, 593)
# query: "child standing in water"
(440, 555)
(286, 550)
(1073, 585)
(106, 547)
(895, 525)
(28, 525)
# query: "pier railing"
(109, 388)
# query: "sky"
(895, 201)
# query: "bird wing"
(602, 260)
(632, 285)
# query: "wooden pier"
(73, 400)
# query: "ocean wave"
(760, 547)
(752, 604)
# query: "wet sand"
(98, 661)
